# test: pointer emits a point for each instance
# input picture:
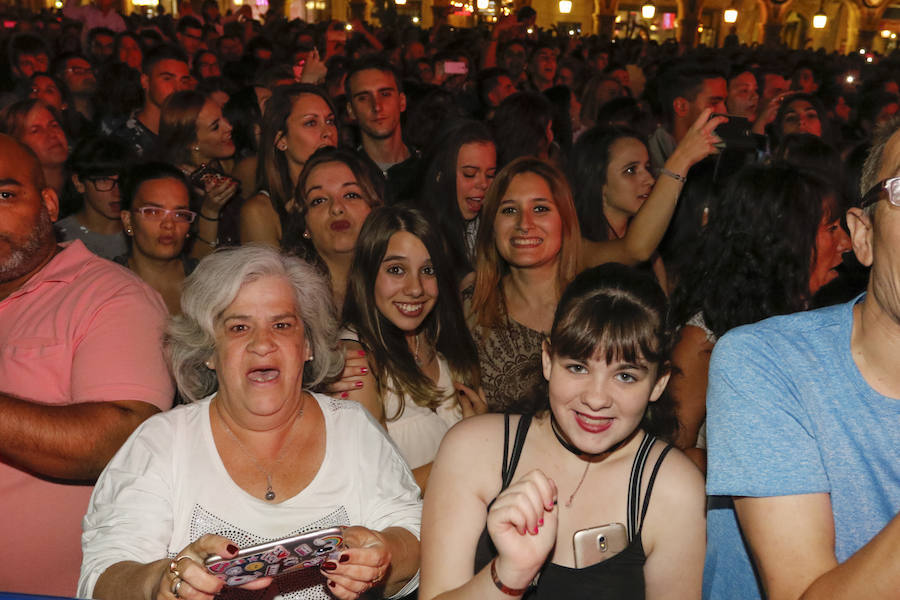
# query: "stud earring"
(196, 148)
(209, 365)
(306, 235)
(129, 231)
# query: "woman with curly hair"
(773, 239)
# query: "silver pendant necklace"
(270, 493)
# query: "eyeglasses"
(103, 184)
(892, 185)
(80, 70)
(155, 213)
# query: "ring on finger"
(173, 566)
(176, 585)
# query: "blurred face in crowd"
(514, 59)
(543, 64)
(503, 90)
(476, 165)
(804, 81)
(207, 65)
(375, 102)
(79, 76)
(191, 39)
(45, 136)
(44, 88)
(29, 64)
(213, 133)
(773, 85)
(165, 78)
(130, 52)
(231, 48)
(801, 117)
(160, 235)
(103, 46)
(712, 95)
(336, 207)
(743, 96)
(831, 243)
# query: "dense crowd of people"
(525, 314)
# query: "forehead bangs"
(613, 326)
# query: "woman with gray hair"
(254, 457)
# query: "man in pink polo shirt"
(81, 366)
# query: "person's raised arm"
(489, 58)
(791, 540)
(259, 221)
(688, 384)
(522, 521)
(649, 225)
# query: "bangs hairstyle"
(620, 312)
(488, 305)
(368, 176)
(394, 365)
(190, 338)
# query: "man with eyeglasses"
(81, 366)
(95, 166)
(804, 430)
(78, 74)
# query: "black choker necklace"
(554, 425)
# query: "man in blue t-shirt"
(804, 431)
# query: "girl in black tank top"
(590, 459)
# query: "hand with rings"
(185, 576)
(362, 566)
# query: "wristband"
(506, 590)
(675, 176)
(205, 218)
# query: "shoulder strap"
(659, 460)
(521, 433)
(505, 466)
(634, 484)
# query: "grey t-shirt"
(107, 246)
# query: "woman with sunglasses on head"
(157, 216)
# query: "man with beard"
(81, 366)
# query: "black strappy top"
(620, 577)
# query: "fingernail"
(332, 584)
(345, 395)
(231, 548)
(359, 384)
(329, 566)
(535, 532)
(541, 522)
(364, 370)
(362, 352)
(344, 558)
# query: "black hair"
(520, 126)
(100, 155)
(242, 111)
(161, 53)
(141, 173)
(371, 61)
(684, 81)
(756, 255)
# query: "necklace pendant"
(270, 495)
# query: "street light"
(565, 6)
(648, 10)
(482, 4)
(731, 15)
(820, 19)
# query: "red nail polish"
(344, 558)
(345, 395)
(362, 352)
(535, 531)
(332, 584)
(541, 522)
(364, 370)
(359, 384)
(329, 566)
(231, 548)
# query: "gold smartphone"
(596, 544)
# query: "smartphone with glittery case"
(596, 544)
(277, 557)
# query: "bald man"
(80, 367)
